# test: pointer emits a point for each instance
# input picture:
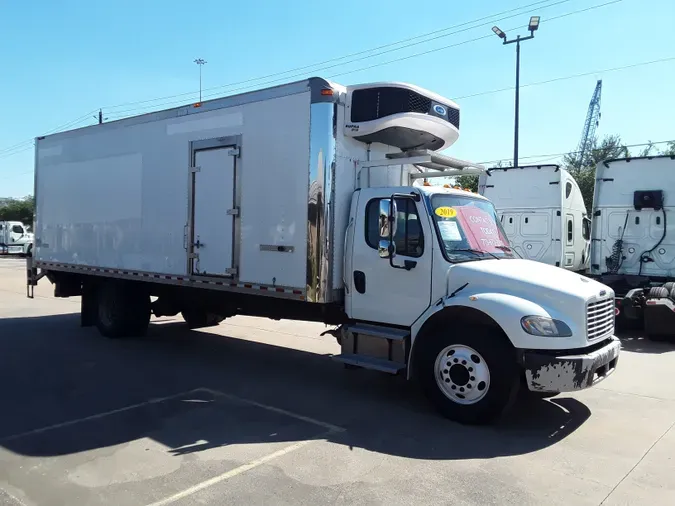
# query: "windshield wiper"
(475, 252)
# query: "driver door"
(379, 292)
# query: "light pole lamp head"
(499, 33)
(200, 61)
(534, 24)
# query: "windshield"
(468, 229)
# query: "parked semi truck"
(633, 240)
(302, 202)
(15, 239)
(543, 213)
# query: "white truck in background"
(543, 213)
(299, 202)
(633, 240)
(15, 238)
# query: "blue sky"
(63, 60)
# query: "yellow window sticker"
(446, 212)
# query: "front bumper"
(570, 372)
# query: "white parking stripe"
(97, 416)
(235, 472)
(329, 426)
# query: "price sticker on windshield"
(446, 212)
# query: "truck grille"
(600, 319)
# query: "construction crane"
(591, 123)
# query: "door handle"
(198, 244)
(360, 281)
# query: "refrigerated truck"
(303, 202)
(633, 240)
(543, 213)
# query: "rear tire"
(471, 378)
(123, 310)
(658, 292)
(198, 318)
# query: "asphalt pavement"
(255, 412)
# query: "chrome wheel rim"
(462, 374)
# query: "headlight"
(545, 326)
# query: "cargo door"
(211, 250)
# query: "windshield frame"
(508, 255)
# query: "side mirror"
(387, 221)
(386, 249)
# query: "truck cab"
(15, 239)
(434, 288)
(633, 248)
(543, 213)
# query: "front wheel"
(473, 378)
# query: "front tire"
(473, 378)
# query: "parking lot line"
(237, 471)
(98, 415)
(328, 426)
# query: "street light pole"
(517, 114)
(200, 62)
(533, 26)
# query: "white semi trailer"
(543, 213)
(299, 202)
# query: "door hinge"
(234, 152)
(195, 169)
(233, 212)
(231, 271)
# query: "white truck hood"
(544, 284)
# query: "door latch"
(198, 244)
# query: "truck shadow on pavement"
(59, 384)
(635, 342)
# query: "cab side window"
(409, 238)
(17, 229)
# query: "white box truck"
(633, 240)
(303, 202)
(15, 239)
(543, 213)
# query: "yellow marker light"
(473, 297)
(326, 92)
(198, 104)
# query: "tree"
(582, 169)
(468, 182)
(18, 210)
(670, 149)
(471, 182)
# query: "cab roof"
(436, 190)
